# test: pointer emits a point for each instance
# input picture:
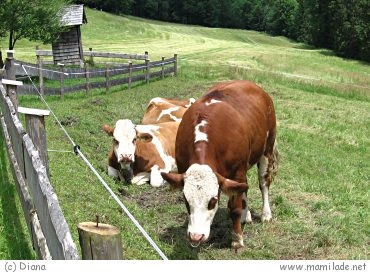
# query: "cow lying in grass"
(141, 152)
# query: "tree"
(351, 29)
(281, 17)
(112, 6)
(36, 20)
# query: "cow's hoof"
(266, 218)
(237, 241)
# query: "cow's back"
(238, 116)
(159, 151)
(161, 110)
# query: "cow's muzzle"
(196, 239)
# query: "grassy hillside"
(320, 198)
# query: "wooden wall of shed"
(68, 48)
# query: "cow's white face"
(124, 142)
(201, 191)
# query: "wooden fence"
(45, 221)
(104, 77)
(50, 234)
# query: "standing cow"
(221, 136)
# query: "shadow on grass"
(220, 237)
(14, 239)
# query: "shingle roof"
(73, 15)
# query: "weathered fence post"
(9, 65)
(41, 77)
(175, 64)
(107, 83)
(129, 74)
(91, 58)
(35, 127)
(162, 66)
(61, 80)
(11, 91)
(147, 71)
(2, 70)
(100, 241)
(87, 76)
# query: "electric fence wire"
(77, 150)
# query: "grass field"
(320, 198)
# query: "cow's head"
(201, 187)
(124, 139)
(125, 136)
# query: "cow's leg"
(156, 179)
(141, 178)
(264, 176)
(113, 166)
(246, 214)
(235, 205)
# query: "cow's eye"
(134, 140)
(115, 142)
(212, 203)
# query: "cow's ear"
(230, 187)
(175, 180)
(144, 137)
(109, 130)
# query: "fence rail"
(107, 76)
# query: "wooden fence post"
(107, 83)
(61, 69)
(147, 71)
(35, 127)
(11, 91)
(162, 74)
(87, 76)
(41, 78)
(9, 65)
(100, 241)
(91, 58)
(2, 70)
(129, 74)
(175, 64)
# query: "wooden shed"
(68, 48)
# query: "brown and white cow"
(141, 151)
(221, 136)
(161, 110)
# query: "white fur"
(141, 178)
(169, 113)
(124, 133)
(213, 101)
(262, 171)
(113, 172)
(156, 179)
(199, 135)
(191, 101)
(200, 186)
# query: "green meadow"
(320, 198)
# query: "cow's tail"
(275, 159)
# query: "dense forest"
(340, 25)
